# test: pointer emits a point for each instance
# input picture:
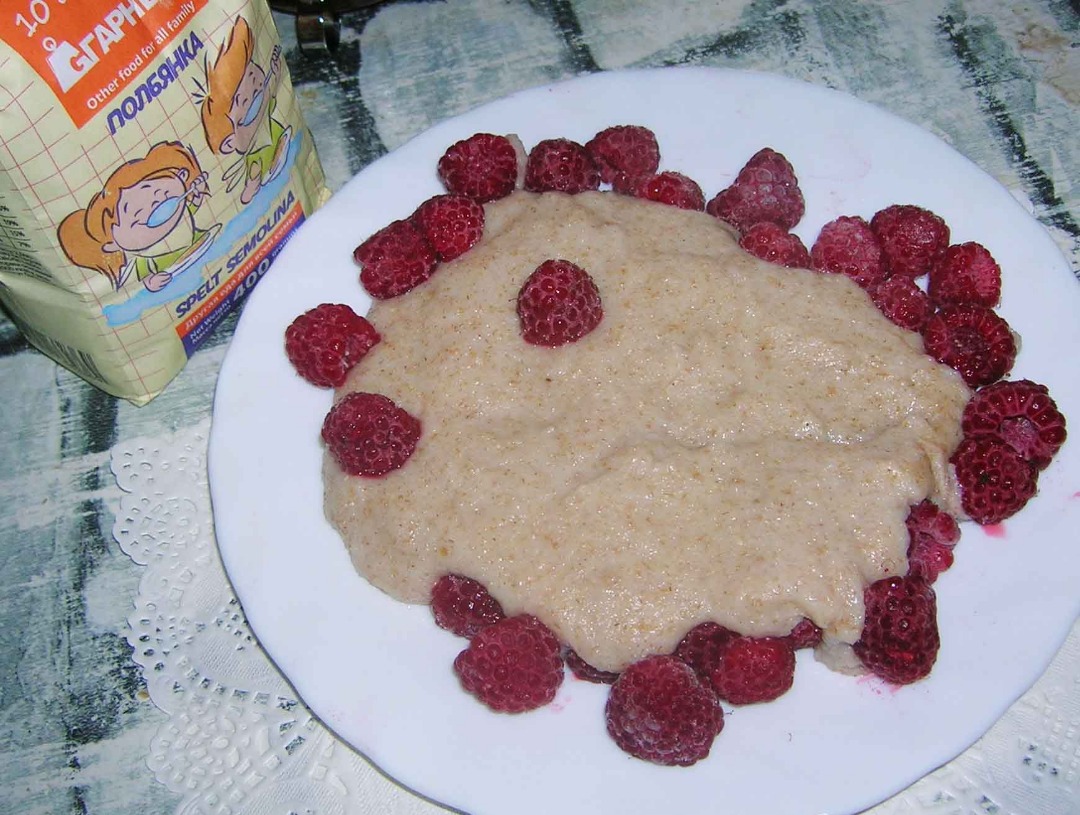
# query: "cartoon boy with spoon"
(238, 113)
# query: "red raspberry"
(559, 303)
(560, 165)
(775, 244)
(754, 669)
(325, 343)
(451, 223)
(899, 639)
(805, 634)
(848, 246)
(932, 534)
(584, 671)
(623, 154)
(903, 302)
(483, 167)
(965, 273)
(673, 189)
(1020, 413)
(395, 260)
(463, 606)
(659, 711)
(369, 435)
(995, 481)
(765, 189)
(973, 340)
(702, 646)
(513, 665)
(912, 238)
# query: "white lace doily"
(238, 741)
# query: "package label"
(154, 162)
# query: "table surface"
(87, 726)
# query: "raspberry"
(848, 246)
(912, 238)
(463, 606)
(775, 244)
(324, 343)
(395, 260)
(513, 665)
(903, 302)
(369, 435)
(973, 340)
(673, 189)
(559, 303)
(754, 669)
(765, 189)
(965, 273)
(995, 481)
(659, 711)
(1020, 413)
(805, 634)
(702, 646)
(451, 223)
(623, 154)
(932, 534)
(560, 165)
(899, 639)
(483, 167)
(584, 671)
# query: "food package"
(153, 162)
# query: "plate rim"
(218, 444)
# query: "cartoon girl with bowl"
(238, 113)
(143, 220)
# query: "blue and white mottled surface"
(1000, 81)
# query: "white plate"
(379, 672)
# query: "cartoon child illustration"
(238, 113)
(143, 220)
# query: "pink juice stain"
(994, 530)
(878, 686)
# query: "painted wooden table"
(119, 687)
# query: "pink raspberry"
(912, 238)
(560, 165)
(995, 481)
(463, 606)
(586, 672)
(900, 638)
(754, 669)
(775, 244)
(701, 647)
(848, 246)
(623, 154)
(805, 634)
(512, 666)
(673, 189)
(972, 340)
(659, 711)
(394, 260)
(559, 303)
(932, 534)
(326, 342)
(484, 167)
(901, 300)
(1020, 413)
(451, 223)
(765, 189)
(965, 273)
(369, 435)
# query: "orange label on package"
(88, 52)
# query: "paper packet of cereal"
(153, 162)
